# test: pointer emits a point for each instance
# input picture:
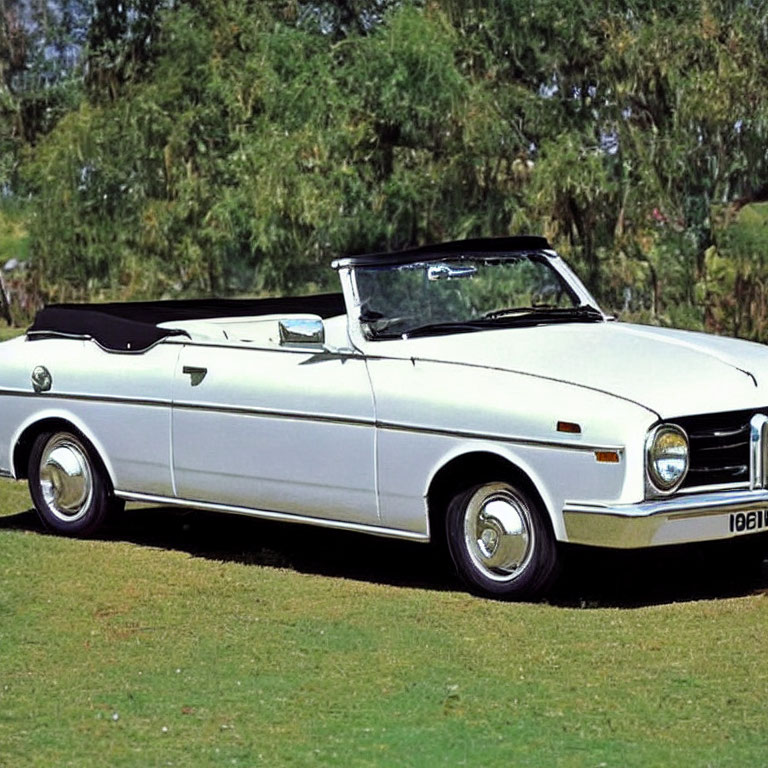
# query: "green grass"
(191, 639)
(8, 333)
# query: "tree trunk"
(5, 304)
(655, 290)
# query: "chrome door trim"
(469, 435)
(271, 413)
(50, 395)
(376, 530)
(183, 339)
(333, 419)
(313, 352)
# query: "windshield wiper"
(546, 312)
(498, 319)
(451, 326)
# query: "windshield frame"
(580, 295)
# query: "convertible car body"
(469, 390)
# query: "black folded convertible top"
(132, 326)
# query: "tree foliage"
(237, 146)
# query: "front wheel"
(500, 542)
(68, 486)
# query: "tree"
(237, 146)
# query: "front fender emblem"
(41, 379)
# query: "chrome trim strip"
(758, 445)
(393, 426)
(286, 517)
(6, 472)
(184, 339)
(32, 335)
(263, 412)
(713, 503)
(331, 419)
(42, 335)
(87, 398)
(470, 435)
(713, 488)
(327, 353)
(271, 413)
(660, 521)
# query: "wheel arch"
(474, 467)
(51, 422)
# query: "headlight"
(667, 456)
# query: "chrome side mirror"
(302, 333)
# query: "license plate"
(743, 522)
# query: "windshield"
(465, 293)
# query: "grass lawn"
(183, 639)
(8, 333)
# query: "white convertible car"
(471, 391)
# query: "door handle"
(196, 374)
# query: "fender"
(61, 414)
(509, 455)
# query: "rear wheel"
(500, 542)
(68, 484)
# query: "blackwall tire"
(500, 542)
(68, 484)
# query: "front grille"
(719, 445)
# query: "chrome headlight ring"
(667, 458)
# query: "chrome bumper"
(699, 517)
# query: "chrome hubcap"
(66, 480)
(498, 532)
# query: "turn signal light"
(608, 457)
(569, 426)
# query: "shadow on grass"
(594, 578)
(591, 578)
(252, 541)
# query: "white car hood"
(670, 372)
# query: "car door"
(275, 429)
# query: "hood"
(670, 372)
